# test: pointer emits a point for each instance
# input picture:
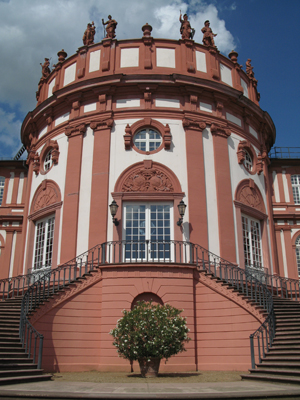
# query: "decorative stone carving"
(111, 25)
(75, 130)
(187, 32)
(147, 29)
(147, 180)
(249, 197)
(250, 74)
(193, 124)
(89, 33)
(208, 35)
(220, 131)
(248, 194)
(62, 55)
(45, 73)
(36, 164)
(45, 198)
(257, 160)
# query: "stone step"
(12, 344)
(273, 378)
(15, 360)
(287, 328)
(17, 365)
(9, 334)
(20, 372)
(285, 352)
(11, 349)
(287, 323)
(282, 363)
(275, 371)
(294, 334)
(289, 347)
(13, 354)
(283, 357)
(24, 379)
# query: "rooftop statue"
(208, 35)
(249, 69)
(89, 33)
(111, 25)
(45, 68)
(187, 32)
(45, 73)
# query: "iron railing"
(286, 288)
(122, 252)
(284, 152)
(251, 282)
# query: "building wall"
(77, 330)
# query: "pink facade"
(147, 123)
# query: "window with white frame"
(296, 188)
(248, 163)
(2, 181)
(48, 161)
(43, 248)
(148, 230)
(298, 254)
(252, 242)
(147, 140)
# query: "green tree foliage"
(149, 331)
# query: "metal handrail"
(122, 252)
(18, 285)
(284, 152)
(286, 288)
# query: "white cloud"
(10, 132)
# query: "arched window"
(298, 254)
(296, 188)
(2, 181)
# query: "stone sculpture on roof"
(111, 25)
(89, 33)
(45, 73)
(208, 35)
(187, 32)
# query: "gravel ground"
(123, 377)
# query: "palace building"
(146, 156)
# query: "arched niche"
(147, 297)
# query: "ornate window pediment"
(152, 129)
(247, 157)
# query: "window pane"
(147, 140)
(252, 242)
(296, 188)
(152, 237)
(2, 181)
(43, 243)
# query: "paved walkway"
(147, 390)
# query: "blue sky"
(267, 31)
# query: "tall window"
(2, 180)
(252, 242)
(296, 188)
(43, 243)
(298, 254)
(148, 230)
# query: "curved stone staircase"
(282, 362)
(15, 366)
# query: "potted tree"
(149, 333)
